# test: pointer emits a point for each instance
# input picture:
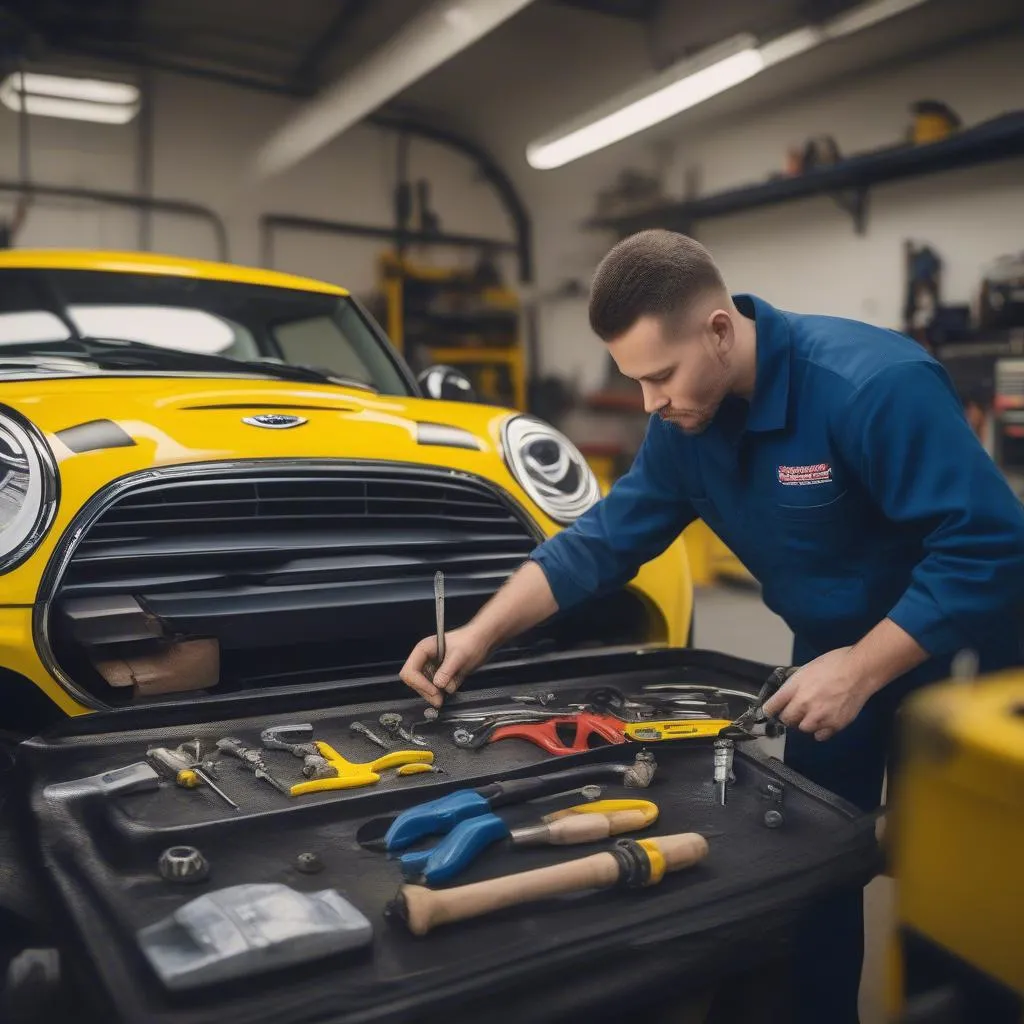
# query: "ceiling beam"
(423, 43)
(307, 68)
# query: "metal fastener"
(309, 863)
(183, 864)
(362, 730)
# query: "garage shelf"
(847, 181)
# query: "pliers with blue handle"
(580, 824)
(437, 817)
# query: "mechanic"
(835, 460)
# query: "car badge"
(274, 421)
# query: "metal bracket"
(855, 203)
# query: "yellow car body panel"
(196, 419)
(113, 262)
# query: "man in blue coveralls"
(835, 460)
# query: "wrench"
(392, 722)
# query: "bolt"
(309, 863)
(430, 714)
(773, 818)
(361, 730)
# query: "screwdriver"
(184, 770)
(253, 760)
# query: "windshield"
(45, 312)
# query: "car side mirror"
(447, 384)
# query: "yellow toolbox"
(956, 839)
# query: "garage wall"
(204, 138)
(805, 255)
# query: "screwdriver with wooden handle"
(631, 864)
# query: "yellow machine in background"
(956, 835)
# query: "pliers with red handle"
(545, 734)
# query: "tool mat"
(102, 853)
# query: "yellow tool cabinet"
(956, 840)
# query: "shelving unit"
(459, 318)
(848, 181)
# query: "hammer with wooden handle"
(632, 864)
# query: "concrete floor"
(733, 619)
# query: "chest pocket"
(817, 533)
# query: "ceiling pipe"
(444, 29)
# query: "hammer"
(298, 740)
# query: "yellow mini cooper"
(225, 480)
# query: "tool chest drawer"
(102, 851)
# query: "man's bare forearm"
(524, 601)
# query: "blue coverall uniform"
(853, 489)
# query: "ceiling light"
(695, 80)
(682, 86)
(77, 99)
(867, 15)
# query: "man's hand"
(464, 652)
(826, 694)
(823, 696)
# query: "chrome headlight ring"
(549, 467)
(28, 488)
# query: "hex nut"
(309, 863)
(183, 864)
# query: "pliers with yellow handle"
(351, 774)
(585, 823)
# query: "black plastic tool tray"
(102, 855)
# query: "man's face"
(681, 368)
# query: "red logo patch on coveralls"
(800, 476)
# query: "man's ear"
(721, 333)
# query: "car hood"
(107, 429)
(206, 419)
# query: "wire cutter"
(470, 837)
(742, 728)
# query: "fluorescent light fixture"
(424, 43)
(792, 44)
(680, 87)
(694, 80)
(867, 15)
(77, 99)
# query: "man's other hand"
(821, 697)
(464, 652)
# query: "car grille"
(301, 574)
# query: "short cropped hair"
(652, 273)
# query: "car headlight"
(28, 490)
(549, 468)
